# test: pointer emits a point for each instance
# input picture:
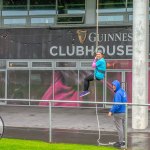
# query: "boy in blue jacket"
(99, 65)
(118, 112)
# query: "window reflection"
(18, 85)
(112, 4)
(111, 76)
(113, 10)
(14, 8)
(71, 7)
(40, 81)
(41, 7)
(130, 5)
(65, 88)
(119, 64)
(2, 84)
(128, 81)
(14, 4)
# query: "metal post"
(50, 122)
(126, 127)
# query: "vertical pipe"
(126, 127)
(50, 122)
(96, 105)
(97, 34)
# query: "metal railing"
(83, 102)
(87, 102)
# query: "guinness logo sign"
(81, 35)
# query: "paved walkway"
(70, 125)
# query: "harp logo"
(81, 35)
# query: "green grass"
(15, 144)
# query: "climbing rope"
(96, 105)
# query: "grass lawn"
(16, 144)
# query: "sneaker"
(84, 93)
(119, 144)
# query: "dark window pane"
(65, 64)
(112, 3)
(130, 3)
(71, 7)
(42, 4)
(14, 4)
(41, 86)
(18, 85)
(110, 77)
(69, 19)
(2, 64)
(2, 84)
(18, 64)
(41, 64)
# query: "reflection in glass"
(41, 64)
(71, 7)
(40, 81)
(112, 6)
(42, 20)
(43, 4)
(14, 7)
(65, 64)
(128, 81)
(119, 64)
(18, 64)
(2, 64)
(2, 84)
(18, 86)
(15, 21)
(114, 10)
(130, 5)
(111, 76)
(65, 88)
(14, 4)
(41, 7)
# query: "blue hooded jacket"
(120, 96)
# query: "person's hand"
(110, 114)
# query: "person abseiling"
(99, 64)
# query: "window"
(18, 86)
(130, 5)
(14, 4)
(18, 64)
(63, 19)
(42, 64)
(71, 7)
(41, 86)
(14, 7)
(112, 6)
(41, 7)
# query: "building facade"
(47, 48)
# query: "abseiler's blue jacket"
(120, 96)
(100, 66)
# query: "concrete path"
(69, 125)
